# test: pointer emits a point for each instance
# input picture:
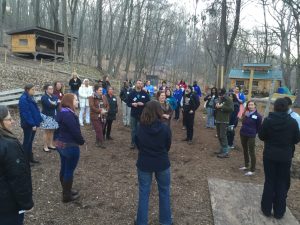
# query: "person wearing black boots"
(112, 112)
(68, 142)
(191, 103)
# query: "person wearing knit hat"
(224, 108)
(15, 175)
(190, 104)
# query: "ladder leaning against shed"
(11, 97)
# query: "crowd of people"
(149, 114)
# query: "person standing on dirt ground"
(293, 114)
(31, 119)
(210, 107)
(241, 98)
(233, 120)
(49, 110)
(191, 103)
(85, 91)
(124, 93)
(280, 133)
(153, 140)
(251, 123)
(111, 114)
(99, 108)
(59, 93)
(75, 84)
(15, 175)
(166, 108)
(67, 144)
(178, 94)
(224, 107)
(105, 84)
(136, 100)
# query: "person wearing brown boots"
(99, 108)
(68, 142)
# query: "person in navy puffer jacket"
(251, 123)
(30, 116)
(69, 139)
(153, 140)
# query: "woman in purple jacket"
(251, 123)
(68, 142)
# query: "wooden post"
(250, 84)
(271, 92)
(5, 57)
(53, 66)
(218, 71)
(41, 61)
(222, 76)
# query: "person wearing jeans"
(251, 123)
(30, 116)
(153, 140)
(124, 93)
(210, 107)
(68, 142)
(224, 107)
(136, 100)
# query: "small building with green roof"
(263, 75)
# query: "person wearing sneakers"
(280, 133)
(111, 114)
(67, 144)
(224, 107)
(191, 103)
(251, 123)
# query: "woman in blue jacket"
(153, 140)
(30, 119)
(49, 124)
(68, 142)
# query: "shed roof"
(258, 75)
(40, 31)
(268, 65)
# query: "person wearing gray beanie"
(15, 175)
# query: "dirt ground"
(107, 180)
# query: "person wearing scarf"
(190, 104)
(99, 108)
(251, 123)
(15, 175)
(166, 108)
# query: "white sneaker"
(81, 124)
(249, 173)
(243, 168)
(231, 147)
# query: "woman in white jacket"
(85, 91)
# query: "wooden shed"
(38, 42)
(263, 75)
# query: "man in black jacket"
(280, 133)
(125, 91)
(136, 100)
(191, 103)
(15, 175)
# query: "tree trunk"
(79, 40)
(266, 49)
(2, 20)
(54, 4)
(65, 29)
(117, 44)
(100, 5)
(37, 21)
(126, 40)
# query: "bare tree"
(65, 29)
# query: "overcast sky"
(251, 14)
